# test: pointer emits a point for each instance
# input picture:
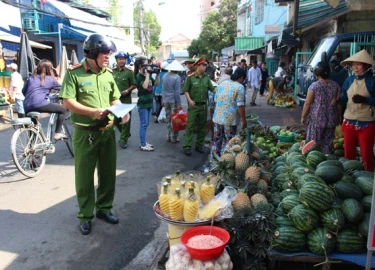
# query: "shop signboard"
(272, 29)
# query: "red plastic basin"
(205, 254)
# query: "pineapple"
(252, 173)
(262, 186)
(168, 180)
(191, 207)
(241, 200)
(258, 198)
(176, 180)
(207, 191)
(233, 141)
(176, 206)
(210, 209)
(241, 162)
(228, 159)
(236, 149)
(164, 199)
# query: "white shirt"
(16, 82)
(254, 76)
(280, 72)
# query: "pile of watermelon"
(322, 203)
(3, 101)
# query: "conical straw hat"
(175, 66)
(362, 57)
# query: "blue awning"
(314, 12)
(227, 50)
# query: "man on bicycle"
(87, 89)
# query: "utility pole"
(140, 15)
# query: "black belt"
(94, 128)
(200, 103)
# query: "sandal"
(60, 136)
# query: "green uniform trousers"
(197, 117)
(102, 154)
(124, 129)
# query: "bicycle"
(30, 145)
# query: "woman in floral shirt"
(320, 109)
(230, 106)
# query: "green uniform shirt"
(198, 87)
(145, 96)
(94, 90)
(124, 78)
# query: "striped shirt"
(145, 96)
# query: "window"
(259, 11)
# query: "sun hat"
(362, 57)
(164, 65)
(12, 66)
(175, 66)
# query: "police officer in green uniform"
(196, 91)
(87, 89)
(124, 78)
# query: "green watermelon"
(337, 204)
(347, 178)
(363, 173)
(289, 239)
(330, 174)
(316, 195)
(321, 241)
(365, 184)
(289, 202)
(351, 166)
(346, 190)
(331, 163)
(366, 202)
(298, 172)
(339, 153)
(363, 227)
(314, 158)
(275, 199)
(288, 191)
(353, 210)
(304, 218)
(279, 211)
(343, 159)
(332, 219)
(282, 221)
(350, 241)
(308, 178)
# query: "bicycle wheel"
(28, 158)
(68, 141)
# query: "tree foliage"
(218, 31)
(151, 30)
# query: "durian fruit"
(253, 174)
(258, 198)
(164, 199)
(234, 140)
(241, 162)
(210, 209)
(241, 200)
(262, 186)
(191, 207)
(176, 206)
(228, 159)
(207, 191)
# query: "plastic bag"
(162, 116)
(179, 259)
(179, 120)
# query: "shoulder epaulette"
(109, 69)
(128, 68)
(75, 66)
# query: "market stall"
(287, 200)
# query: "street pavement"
(39, 229)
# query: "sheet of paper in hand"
(120, 110)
